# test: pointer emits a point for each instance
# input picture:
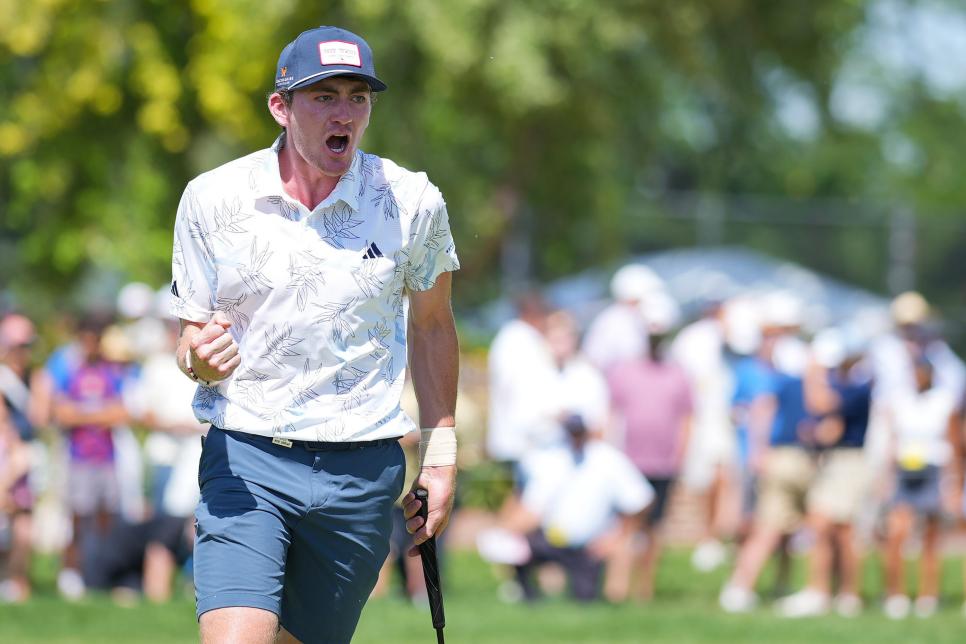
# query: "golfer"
(303, 274)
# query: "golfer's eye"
(325, 98)
(360, 99)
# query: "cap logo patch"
(284, 71)
(337, 52)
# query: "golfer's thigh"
(338, 547)
(242, 527)
(241, 546)
(238, 625)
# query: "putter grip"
(427, 552)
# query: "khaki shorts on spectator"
(840, 484)
(783, 487)
(92, 486)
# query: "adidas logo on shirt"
(372, 252)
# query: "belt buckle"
(284, 442)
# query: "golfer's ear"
(278, 108)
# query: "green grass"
(685, 611)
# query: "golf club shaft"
(427, 552)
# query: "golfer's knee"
(239, 625)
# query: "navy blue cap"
(323, 52)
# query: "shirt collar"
(347, 190)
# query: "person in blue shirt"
(838, 394)
(786, 470)
(752, 377)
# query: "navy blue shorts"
(300, 533)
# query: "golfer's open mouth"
(337, 143)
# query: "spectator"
(710, 462)
(915, 336)
(838, 393)
(14, 502)
(23, 411)
(575, 386)
(520, 365)
(618, 332)
(751, 375)
(88, 406)
(788, 470)
(924, 425)
(581, 502)
(651, 402)
(136, 558)
(173, 448)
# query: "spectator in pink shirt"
(651, 401)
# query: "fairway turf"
(685, 611)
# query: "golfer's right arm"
(208, 349)
(205, 348)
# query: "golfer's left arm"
(434, 364)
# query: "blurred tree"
(537, 119)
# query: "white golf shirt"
(316, 298)
(578, 498)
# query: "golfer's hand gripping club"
(427, 552)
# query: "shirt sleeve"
(432, 250)
(194, 278)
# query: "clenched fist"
(213, 350)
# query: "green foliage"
(540, 116)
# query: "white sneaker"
(70, 584)
(848, 605)
(737, 600)
(805, 603)
(708, 555)
(896, 607)
(926, 606)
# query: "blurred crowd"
(99, 451)
(837, 440)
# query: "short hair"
(286, 95)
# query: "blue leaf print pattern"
(338, 226)
(280, 344)
(337, 316)
(252, 274)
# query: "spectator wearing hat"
(581, 502)
(924, 427)
(709, 468)
(838, 394)
(651, 402)
(751, 375)
(618, 332)
(786, 471)
(916, 334)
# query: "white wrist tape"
(437, 446)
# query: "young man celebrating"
(293, 268)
